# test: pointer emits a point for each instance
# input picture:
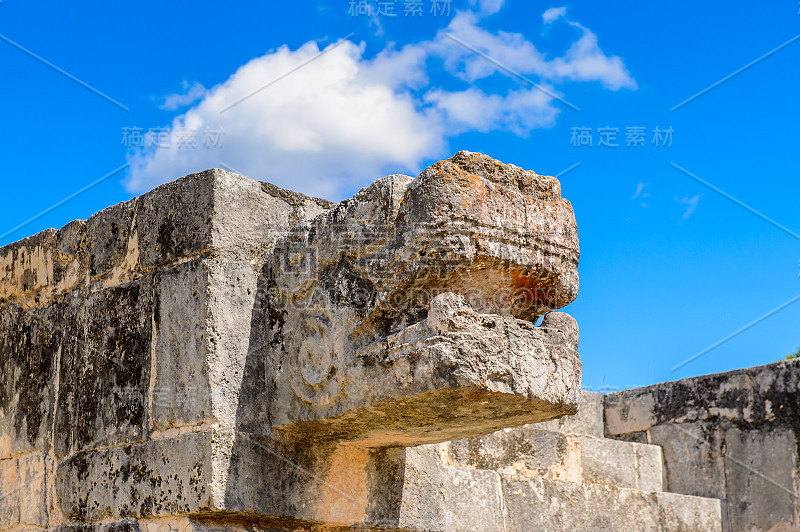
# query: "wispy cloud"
(638, 192)
(553, 14)
(690, 203)
(583, 61)
(189, 95)
(487, 7)
(641, 194)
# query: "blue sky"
(669, 265)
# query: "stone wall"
(733, 436)
(221, 354)
(122, 339)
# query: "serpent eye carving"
(315, 353)
(316, 378)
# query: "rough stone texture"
(455, 374)
(162, 477)
(536, 504)
(105, 367)
(221, 354)
(632, 465)
(128, 327)
(29, 346)
(9, 498)
(181, 389)
(685, 513)
(33, 471)
(731, 436)
(440, 495)
(588, 420)
(558, 456)
(543, 454)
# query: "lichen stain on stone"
(21, 272)
(346, 287)
(127, 266)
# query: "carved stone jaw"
(456, 373)
(405, 315)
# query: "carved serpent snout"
(500, 236)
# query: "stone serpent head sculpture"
(407, 314)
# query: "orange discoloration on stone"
(343, 497)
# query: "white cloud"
(691, 204)
(509, 49)
(585, 61)
(473, 110)
(488, 7)
(398, 68)
(345, 119)
(329, 124)
(639, 189)
(553, 14)
(188, 97)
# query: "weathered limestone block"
(23, 491)
(761, 472)
(33, 472)
(456, 374)
(536, 504)
(542, 454)
(132, 325)
(9, 500)
(327, 484)
(438, 493)
(732, 436)
(557, 456)
(29, 346)
(623, 464)
(181, 388)
(105, 367)
(205, 214)
(202, 331)
(683, 513)
(441, 497)
(160, 477)
(588, 420)
(692, 451)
